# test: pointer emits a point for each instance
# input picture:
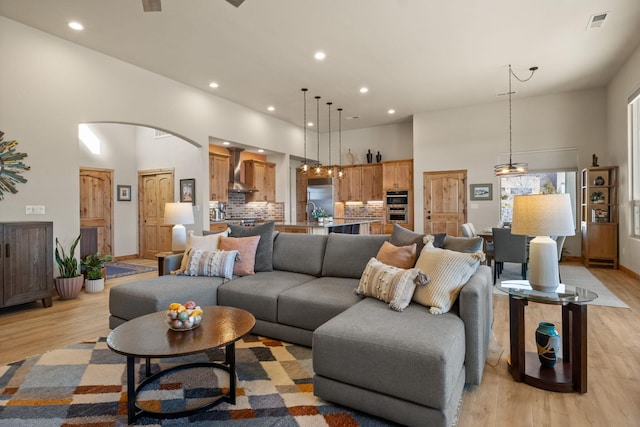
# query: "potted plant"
(69, 284)
(92, 267)
(597, 197)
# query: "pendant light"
(329, 165)
(340, 171)
(305, 166)
(512, 169)
(318, 168)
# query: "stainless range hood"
(235, 185)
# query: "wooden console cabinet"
(599, 211)
(26, 263)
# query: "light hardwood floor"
(613, 397)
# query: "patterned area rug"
(85, 384)
(119, 269)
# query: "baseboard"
(570, 258)
(126, 257)
(628, 272)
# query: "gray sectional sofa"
(409, 367)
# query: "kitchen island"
(338, 225)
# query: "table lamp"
(178, 214)
(543, 215)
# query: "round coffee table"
(149, 337)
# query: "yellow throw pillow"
(246, 246)
(390, 284)
(397, 256)
(448, 271)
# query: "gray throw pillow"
(400, 236)
(264, 252)
(463, 244)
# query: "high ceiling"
(413, 55)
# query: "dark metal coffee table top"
(149, 336)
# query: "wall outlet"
(474, 205)
(35, 210)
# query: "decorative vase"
(69, 287)
(369, 157)
(350, 158)
(598, 181)
(548, 344)
(378, 157)
(93, 286)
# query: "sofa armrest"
(476, 311)
(171, 263)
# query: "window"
(634, 163)
(548, 182)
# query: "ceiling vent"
(597, 21)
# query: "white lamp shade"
(543, 215)
(178, 213)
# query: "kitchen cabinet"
(218, 227)
(371, 182)
(351, 184)
(260, 175)
(219, 177)
(599, 211)
(26, 263)
(397, 175)
(301, 196)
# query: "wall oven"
(397, 207)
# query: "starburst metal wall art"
(11, 166)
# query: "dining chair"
(468, 230)
(509, 248)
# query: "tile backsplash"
(365, 210)
(238, 208)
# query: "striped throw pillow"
(210, 263)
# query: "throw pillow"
(400, 236)
(448, 271)
(246, 246)
(390, 284)
(211, 263)
(264, 254)
(397, 256)
(208, 243)
(463, 244)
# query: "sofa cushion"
(264, 253)
(411, 355)
(133, 299)
(390, 284)
(347, 255)
(299, 253)
(311, 304)
(400, 236)
(448, 271)
(463, 244)
(246, 247)
(397, 256)
(258, 293)
(209, 242)
(216, 263)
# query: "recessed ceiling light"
(213, 85)
(271, 108)
(310, 124)
(226, 143)
(364, 89)
(261, 151)
(76, 26)
(391, 111)
(320, 55)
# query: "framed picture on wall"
(188, 191)
(481, 191)
(124, 193)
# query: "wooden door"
(155, 188)
(219, 174)
(96, 211)
(445, 201)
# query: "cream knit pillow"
(448, 271)
(210, 242)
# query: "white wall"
(50, 86)
(625, 83)
(476, 138)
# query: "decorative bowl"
(183, 317)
